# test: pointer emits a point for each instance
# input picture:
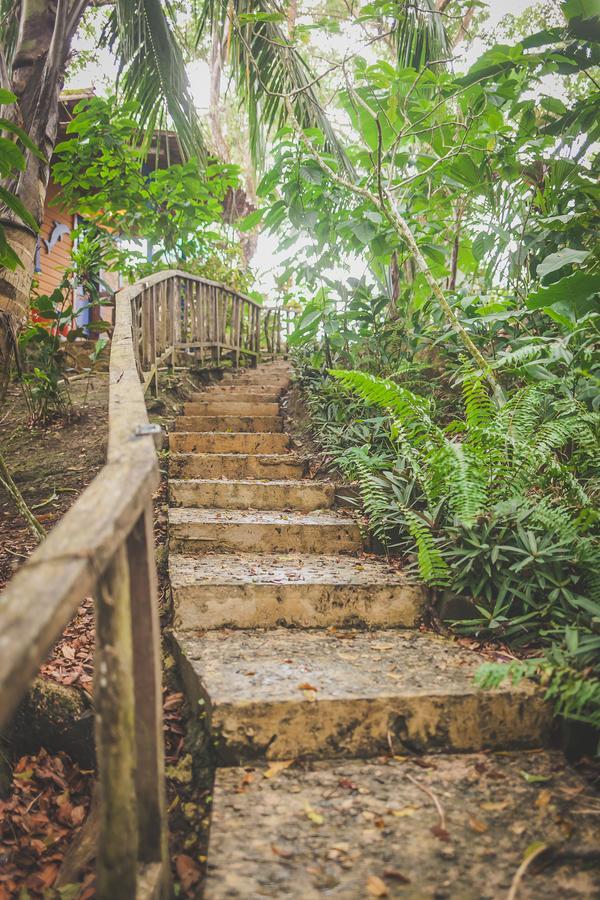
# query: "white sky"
(101, 74)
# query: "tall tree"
(35, 43)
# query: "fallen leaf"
(543, 798)
(534, 779)
(313, 815)
(310, 695)
(396, 876)
(346, 783)
(187, 871)
(477, 825)
(277, 767)
(404, 811)
(305, 686)
(440, 833)
(495, 807)
(283, 852)
(376, 887)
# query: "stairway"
(318, 690)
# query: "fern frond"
(410, 409)
(457, 477)
(433, 568)
(480, 411)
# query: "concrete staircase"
(302, 654)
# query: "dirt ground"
(48, 799)
(51, 465)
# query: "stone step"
(204, 493)
(264, 590)
(355, 830)
(262, 531)
(256, 378)
(228, 442)
(257, 387)
(236, 395)
(236, 465)
(230, 408)
(285, 693)
(248, 424)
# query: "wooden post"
(256, 342)
(149, 773)
(236, 330)
(116, 863)
(151, 301)
(202, 317)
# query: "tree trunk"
(36, 75)
(214, 108)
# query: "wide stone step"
(253, 424)
(236, 465)
(262, 531)
(259, 590)
(207, 493)
(456, 827)
(284, 693)
(230, 408)
(236, 395)
(256, 379)
(227, 442)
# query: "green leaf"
(251, 220)
(575, 291)
(564, 257)
(17, 207)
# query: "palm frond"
(416, 30)
(419, 34)
(266, 68)
(153, 69)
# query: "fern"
(411, 410)
(433, 568)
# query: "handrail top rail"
(134, 290)
(43, 596)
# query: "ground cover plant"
(457, 380)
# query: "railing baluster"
(149, 774)
(116, 863)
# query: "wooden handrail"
(104, 546)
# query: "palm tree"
(35, 43)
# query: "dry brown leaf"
(376, 887)
(187, 871)
(543, 798)
(496, 806)
(477, 825)
(277, 767)
(404, 811)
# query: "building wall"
(53, 262)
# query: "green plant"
(45, 346)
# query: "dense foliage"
(108, 177)
(457, 380)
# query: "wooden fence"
(178, 317)
(104, 546)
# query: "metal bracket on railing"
(155, 430)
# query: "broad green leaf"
(575, 291)
(564, 257)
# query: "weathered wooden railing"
(276, 325)
(178, 316)
(104, 546)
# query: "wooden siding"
(54, 262)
